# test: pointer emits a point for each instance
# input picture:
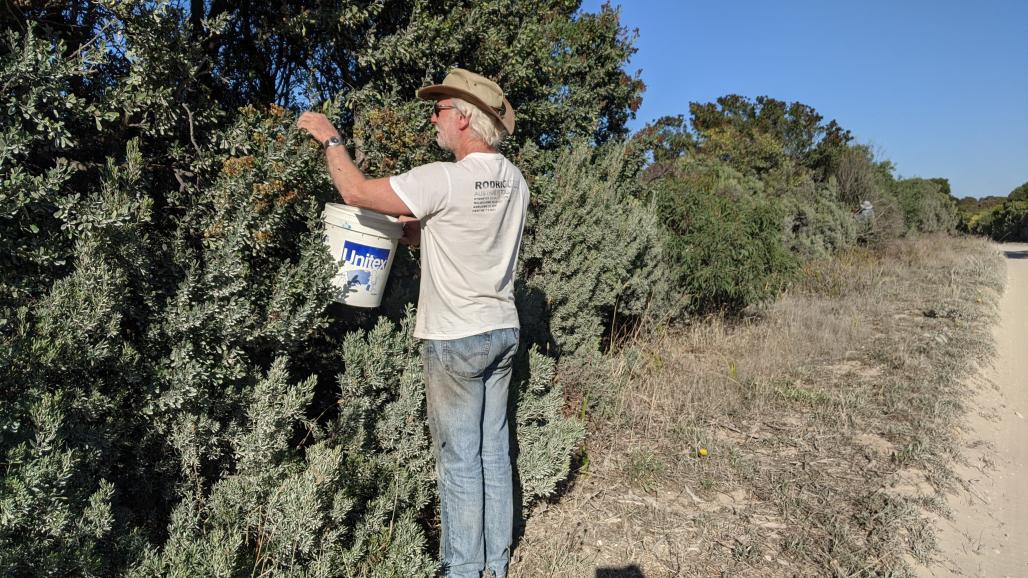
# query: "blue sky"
(938, 87)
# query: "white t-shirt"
(472, 213)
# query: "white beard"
(441, 141)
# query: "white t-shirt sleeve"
(425, 189)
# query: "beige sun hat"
(476, 89)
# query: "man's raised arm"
(356, 189)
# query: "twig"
(976, 494)
(694, 497)
(189, 114)
(729, 427)
(91, 40)
(179, 173)
(358, 151)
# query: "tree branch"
(189, 115)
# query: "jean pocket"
(508, 349)
(467, 357)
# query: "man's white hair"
(485, 126)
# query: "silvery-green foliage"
(251, 280)
(51, 523)
(592, 251)
(382, 421)
(347, 504)
(67, 374)
(927, 204)
(37, 120)
(816, 225)
(546, 438)
(161, 258)
(273, 512)
(382, 429)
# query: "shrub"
(1006, 223)
(592, 250)
(167, 342)
(860, 178)
(545, 437)
(816, 226)
(1020, 193)
(724, 243)
(152, 414)
(856, 176)
(927, 208)
(1002, 219)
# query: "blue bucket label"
(363, 266)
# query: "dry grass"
(827, 418)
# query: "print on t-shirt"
(489, 195)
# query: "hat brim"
(437, 91)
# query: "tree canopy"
(1020, 193)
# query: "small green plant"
(745, 552)
(644, 469)
(802, 395)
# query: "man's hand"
(411, 231)
(318, 125)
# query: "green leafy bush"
(858, 178)
(180, 395)
(167, 341)
(816, 225)
(345, 500)
(927, 205)
(1020, 193)
(1007, 222)
(725, 243)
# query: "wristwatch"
(331, 142)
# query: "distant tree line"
(751, 188)
(1001, 218)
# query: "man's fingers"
(317, 125)
(308, 122)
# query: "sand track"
(988, 535)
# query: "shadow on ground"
(632, 571)
(1016, 254)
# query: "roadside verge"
(810, 438)
(987, 533)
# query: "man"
(469, 217)
(866, 212)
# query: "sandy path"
(988, 535)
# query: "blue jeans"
(467, 381)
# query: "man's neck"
(471, 146)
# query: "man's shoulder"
(427, 170)
(487, 161)
(436, 165)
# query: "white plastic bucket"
(363, 243)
